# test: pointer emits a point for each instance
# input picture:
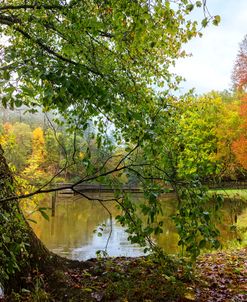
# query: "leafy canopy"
(107, 59)
(91, 58)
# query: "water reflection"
(71, 233)
(1, 293)
(117, 244)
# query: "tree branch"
(46, 48)
(127, 155)
(26, 6)
(10, 21)
(70, 187)
(7, 20)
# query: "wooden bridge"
(103, 188)
(230, 185)
(98, 188)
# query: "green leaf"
(87, 289)
(189, 7)
(202, 243)
(32, 220)
(43, 213)
(216, 20)
(6, 75)
(4, 102)
(18, 102)
(6, 239)
(204, 22)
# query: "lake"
(73, 231)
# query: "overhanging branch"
(26, 6)
(68, 187)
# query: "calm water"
(72, 233)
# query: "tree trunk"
(20, 250)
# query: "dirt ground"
(219, 277)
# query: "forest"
(87, 97)
(215, 123)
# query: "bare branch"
(74, 148)
(71, 186)
(147, 178)
(110, 215)
(93, 198)
(7, 67)
(38, 191)
(56, 138)
(7, 20)
(127, 155)
(26, 6)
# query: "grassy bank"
(232, 193)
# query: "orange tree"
(239, 146)
(239, 76)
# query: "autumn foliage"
(239, 146)
(240, 67)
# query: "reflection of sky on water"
(71, 232)
(118, 244)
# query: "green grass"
(232, 193)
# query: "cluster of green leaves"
(184, 149)
(194, 220)
(91, 58)
(141, 220)
(102, 61)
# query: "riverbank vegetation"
(101, 72)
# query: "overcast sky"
(214, 54)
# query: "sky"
(211, 64)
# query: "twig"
(110, 215)
(127, 155)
